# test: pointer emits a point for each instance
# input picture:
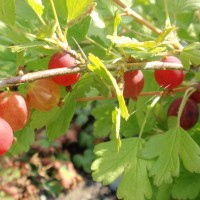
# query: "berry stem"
(187, 94)
(155, 100)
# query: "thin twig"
(136, 16)
(29, 77)
(142, 94)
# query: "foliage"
(155, 157)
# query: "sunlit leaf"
(77, 9)
(37, 6)
(110, 164)
(98, 67)
(7, 11)
(190, 55)
(168, 149)
(116, 119)
(187, 186)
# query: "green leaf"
(25, 139)
(187, 186)
(84, 85)
(102, 87)
(130, 127)
(189, 149)
(190, 55)
(98, 68)
(103, 120)
(37, 6)
(7, 11)
(116, 119)
(110, 164)
(123, 41)
(77, 9)
(61, 123)
(167, 149)
(145, 112)
(47, 30)
(116, 22)
(140, 50)
(38, 63)
(183, 6)
(74, 31)
(162, 36)
(164, 192)
(41, 119)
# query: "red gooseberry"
(43, 94)
(189, 115)
(169, 79)
(6, 136)
(61, 60)
(13, 109)
(133, 84)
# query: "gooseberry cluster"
(42, 95)
(168, 80)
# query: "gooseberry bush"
(138, 60)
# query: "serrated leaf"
(140, 50)
(7, 11)
(186, 186)
(61, 123)
(190, 55)
(117, 21)
(116, 119)
(37, 6)
(77, 9)
(189, 149)
(167, 149)
(25, 139)
(41, 119)
(98, 68)
(110, 164)
(122, 41)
